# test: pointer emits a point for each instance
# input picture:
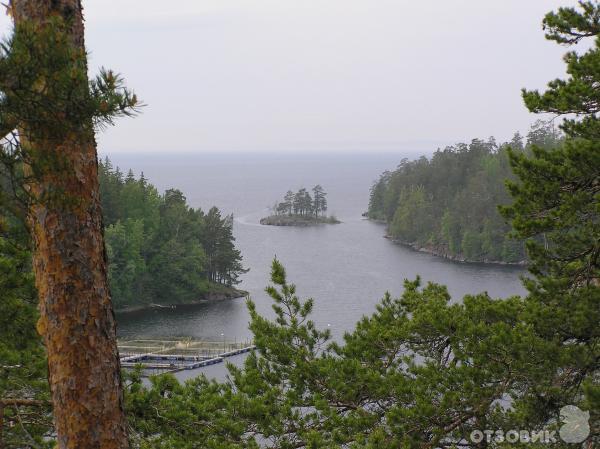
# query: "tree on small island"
(301, 209)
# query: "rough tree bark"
(77, 320)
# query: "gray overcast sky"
(314, 75)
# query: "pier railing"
(159, 356)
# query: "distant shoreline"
(438, 253)
(297, 220)
(228, 293)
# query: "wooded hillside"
(448, 204)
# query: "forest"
(423, 371)
(448, 204)
(300, 209)
(301, 202)
(161, 250)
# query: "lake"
(346, 268)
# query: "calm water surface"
(346, 268)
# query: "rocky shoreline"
(226, 294)
(297, 220)
(439, 252)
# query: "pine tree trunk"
(76, 316)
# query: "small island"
(301, 209)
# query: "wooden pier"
(169, 356)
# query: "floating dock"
(169, 356)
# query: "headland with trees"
(447, 204)
(423, 371)
(160, 250)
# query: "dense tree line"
(302, 203)
(160, 250)
(422, 372)
(448, 203)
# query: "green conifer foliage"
(160, 250)
(424, 371)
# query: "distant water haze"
(346, 268)
(245, 75)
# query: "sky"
(318, 75)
